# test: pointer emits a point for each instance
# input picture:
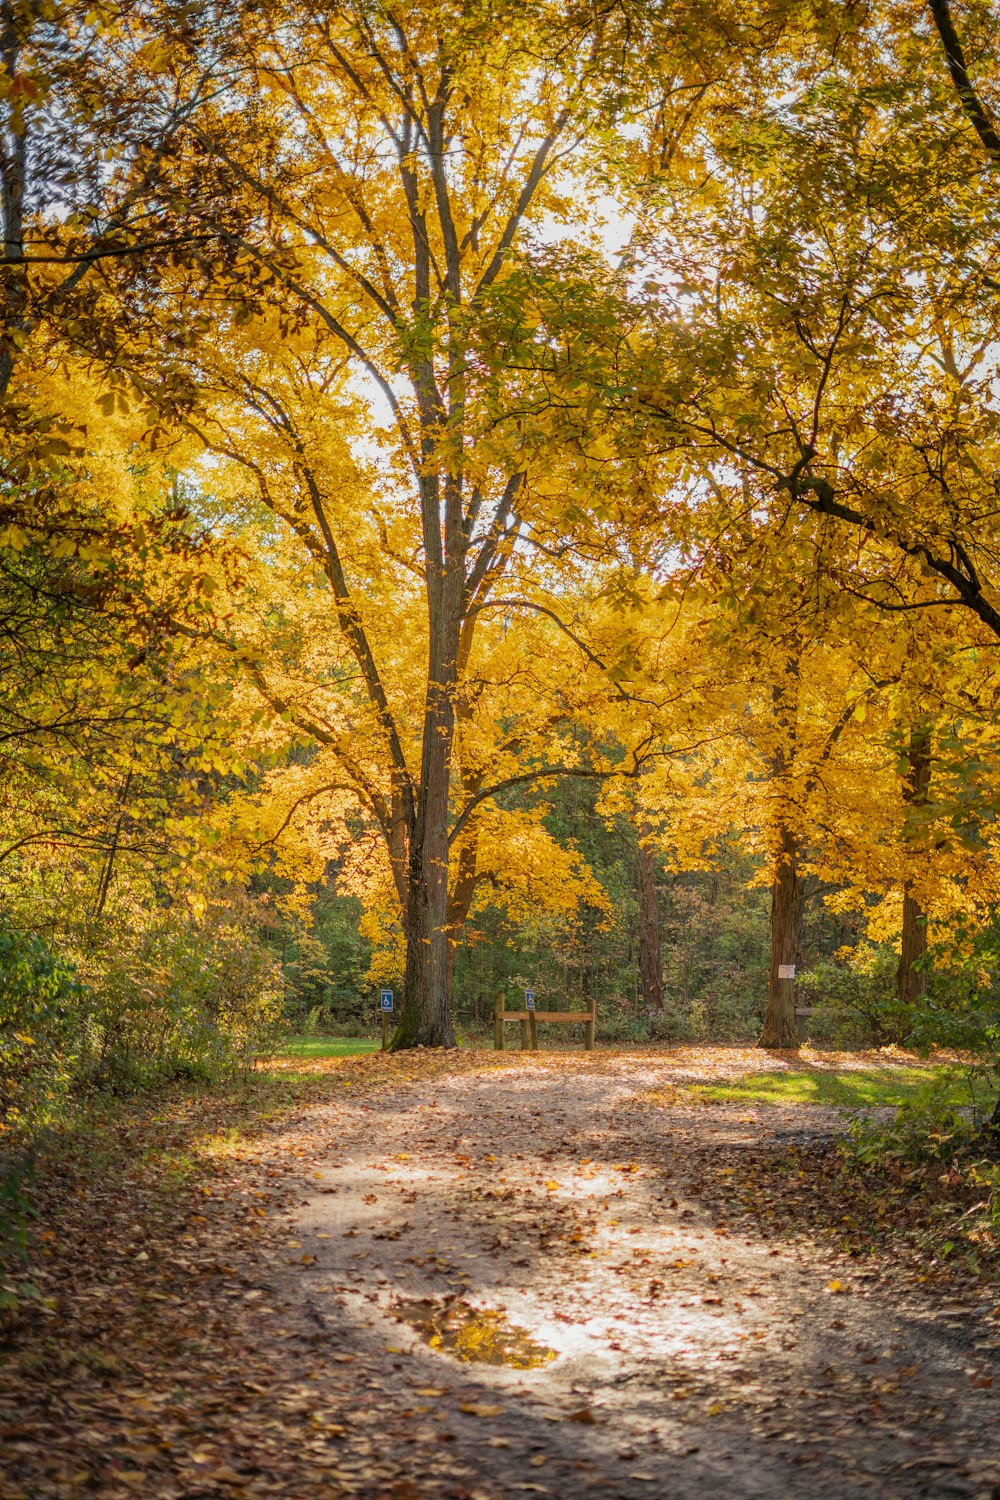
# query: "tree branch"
(975, 111)
(544, 773)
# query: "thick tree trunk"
(426, 1015)
(780, 1028)
(426, 1019)
(462, 888)
(650, 957)
(911, 982)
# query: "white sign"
(385, 999)
(786, 971)
(529, 999)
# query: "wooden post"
(532, 1031)
(524, 1033)
(588, 1035)
(498, 1024)
(385, 1031)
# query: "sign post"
(385, 1006)
(529, 1006)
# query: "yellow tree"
(361, 359)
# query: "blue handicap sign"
(529, 999)
(386, 999)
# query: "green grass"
(861, 1089)
(326, 1046)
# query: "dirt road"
(666, 1348)
(472, 1277)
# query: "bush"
(43, 1026)
(322, 1021)
(935, 1154)
(618, 1020)
(182, 998)
(928, 1127)
(854, 1003)
(731, 1008)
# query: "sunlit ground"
(326, 1046)
(837, 1080)
(845, 1090)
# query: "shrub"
(43, 1024)
(182, 998)
(618, 1020)
(928, 1127)
(854, 1003)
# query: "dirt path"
(692, 1358)
(261, 1327)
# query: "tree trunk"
(911, 982)
(650, 957)
(13, 174)
(426, 1019)
(780, 1028)
(426, 1015)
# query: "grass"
(326, 1046)
(853, 1089)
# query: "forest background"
(494, 496)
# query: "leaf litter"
(218, 1313)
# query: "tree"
(839, 359)
(387, 173)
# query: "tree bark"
(426, 1018)
(650, 956)
(780, 1028)
(911, 981)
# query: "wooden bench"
(529, 1026)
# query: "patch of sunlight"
(853, 1089)
(474, 1335)
(325, 1046)
(665, 1096)
(224, 1143)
